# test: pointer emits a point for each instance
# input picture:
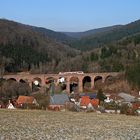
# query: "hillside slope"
(28, 48)
(79, 35)
(57, 36)
(108, 37)
(23, 48)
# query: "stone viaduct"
(68, 76)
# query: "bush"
(100, 96)
(133, 75)
(124, 108)
(42, 99)
(111, 106)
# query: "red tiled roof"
(25, 100)
(84, 100)
(95, 102)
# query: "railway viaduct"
(69, 77)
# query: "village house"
(26, 100)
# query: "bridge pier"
(92, 83)
(68, 87)
(80, 85)
(30, 84)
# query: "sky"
(71, 15)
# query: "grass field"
(47, 125)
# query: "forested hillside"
(24, 49)
(57, 36)
(39, 50)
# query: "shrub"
(124, 108)
(42, 99)
(111, 106)
(100, 96)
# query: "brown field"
(47, 125)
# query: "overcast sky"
(71, 15)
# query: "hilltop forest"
(40, 50)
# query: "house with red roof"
(26, 100)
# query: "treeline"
(18, 58)
(10, 89)
(21, 57)
(109, 58)
(133, 75)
